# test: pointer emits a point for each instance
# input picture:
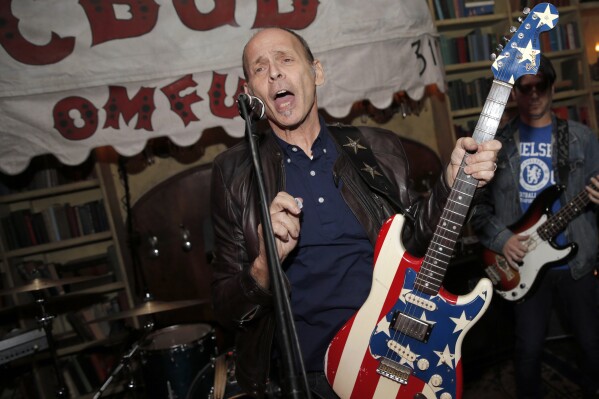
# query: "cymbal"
(66, 303)
(151, 307)
(44, 283)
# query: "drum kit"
(179, 361)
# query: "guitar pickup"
(411, 326)
(394, 371)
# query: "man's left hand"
(480, 162)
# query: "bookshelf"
(467, 38)
(59, 223)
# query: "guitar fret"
(442, 241)
(457, 202)
(469, 182)
(464, 193)
(430, 276)
(440, 253)
(449, 231)
(455, 213)
(429, 271)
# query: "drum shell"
(173, 356)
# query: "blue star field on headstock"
(521, 55)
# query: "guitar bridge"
(411, 326)
(394, 371)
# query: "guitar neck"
(560, 220)
(441, 248)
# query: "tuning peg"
(513, 29)
(500, 47)
(526, 11)
(493, 57)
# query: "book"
(51, 225)
(571, 72)
(61, 221)
(474, 8)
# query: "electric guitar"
(405, 340)
(513, 283)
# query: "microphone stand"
(292, 358)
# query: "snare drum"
(173, 356)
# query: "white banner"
(80, 74)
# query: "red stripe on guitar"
(334, 357)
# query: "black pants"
(319, 386)
(576, 301)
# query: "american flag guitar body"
(405, 341)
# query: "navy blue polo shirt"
(330, 270)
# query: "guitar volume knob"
(436, 380)
(445, 395)
(423, 364)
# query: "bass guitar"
(515, 282)
(405, 340)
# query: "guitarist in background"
(529, 161)
(325, 246)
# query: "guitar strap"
(351, 140)
(562, 145)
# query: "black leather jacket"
(239, 302)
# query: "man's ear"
(246, 89)
(318, 73)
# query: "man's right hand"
(285, 218)
(515, 249)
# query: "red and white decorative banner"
(80, 74)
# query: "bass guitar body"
(514, 283)
(403, 343)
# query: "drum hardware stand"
(45, 321)
(124, 364)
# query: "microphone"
(253, 105)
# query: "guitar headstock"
(521, 55)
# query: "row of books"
(476, 46)
(579, 113)
(520, 4)
(463, 95)
(449, 9)
(561, 37)
(24, 228)
(45, 172)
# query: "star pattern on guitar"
(460, 322)
(529, 53)
(445, 357)
(407, 351)
(546, 17)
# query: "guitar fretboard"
(560, 220)
(441, 248)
